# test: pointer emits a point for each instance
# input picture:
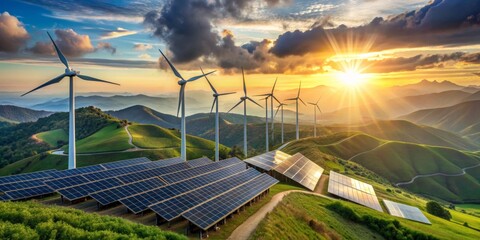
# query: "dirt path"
(246, 229)
(437, 174)
(130, 140)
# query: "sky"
(338, 43)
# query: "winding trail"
(437, 174)
(130, 140)
(246, 229)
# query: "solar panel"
(138, 176)
(353, 190)
(61, 183)
(124, 163)
(199, 162)
(207, 214)
(174, 207)
(77, 171)
(27, 176)
(29, 192)
(112, 195)
(140, 202)
(405, 211)
(169, 161)
(21, 185)
(301, 170)
(4, 197)
(119, 171)
(269, 160)
(81, 191)
(188, 173)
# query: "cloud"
(142, 46)
(107, 47)
(442, 22)
(13, 35)
(71, 44)
(145, 56)
(119, 32)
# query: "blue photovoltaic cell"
(84, 190)
(77, 171)
(109, 196)
(29, 192)
(66, 182)
(118, 171)
(169, 161)
(174, 207)
(211, 212)
(137, 176)
(124, 163)
(20, 185)
(4, 197)
(140, 202)
(199, 162)
(27, 176)
(269, 160)
(188, 173)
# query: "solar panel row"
(149, 173)
(301, 170)
(20, 185)
(199, 162)
(29, 192)
(353, 190)
(125, 163)
(213, 211)
(269, 160)
(140, 202)
(82, 191)
(172, 208)
(77, 171)
(405, 211)
(27, 176)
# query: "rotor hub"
(243, 98)
(181, 82)
(70, 72)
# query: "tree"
(436, 209)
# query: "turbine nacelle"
(71, 73)
(182, 82)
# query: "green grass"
(291, 218)
(153, 137)
(53, 137)
(108, 139)
(30, 220)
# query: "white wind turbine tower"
(272, 97)
(315, 107)
(69, 72)
(244, 99)
(215, 104)
(181, 104)
(266, 123)
(296, 106)
(278, 108)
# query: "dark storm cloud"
(13, 35)
(442, 22)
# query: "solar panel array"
(353, 190)
(405, 211)
(301, 170)
(269, 160)
(26, 185)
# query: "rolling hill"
(145, 115)
(19, 114)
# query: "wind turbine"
(215, 104)
(296, 105)
(315, 106)
(278, 108)
(272, 97)
(244, 99)
(69, 72)
(181, 104)
(266, 122)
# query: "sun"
(351, 78)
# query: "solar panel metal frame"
(405, 211)
(61, 183)
(84, 190)
(125, 163)
(199, 162)
(211, 212)
(301, 170)
(29, 192)
(27, 176)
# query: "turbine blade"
(59, 53)
(319, 109)
(213, 104)
(88, 78)
(209, 83)
(251, 100)
(171, 66)
(229, 93)
(273, 89)
(244, 86)
(278, 108)
(290, 99)
(299, 87)
(199, 76)
(302, 101)
(261, 95)
(235, 106)
(180, 98)
(53, 81)
(317, 101)
(276, 99)
(311, 103)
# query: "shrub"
(436, 209)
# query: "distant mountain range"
(10, 113)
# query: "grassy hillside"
(108, 139)
(145, 115)
(20, 114)
(54, 138)
(301, 216)
(35, 221)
